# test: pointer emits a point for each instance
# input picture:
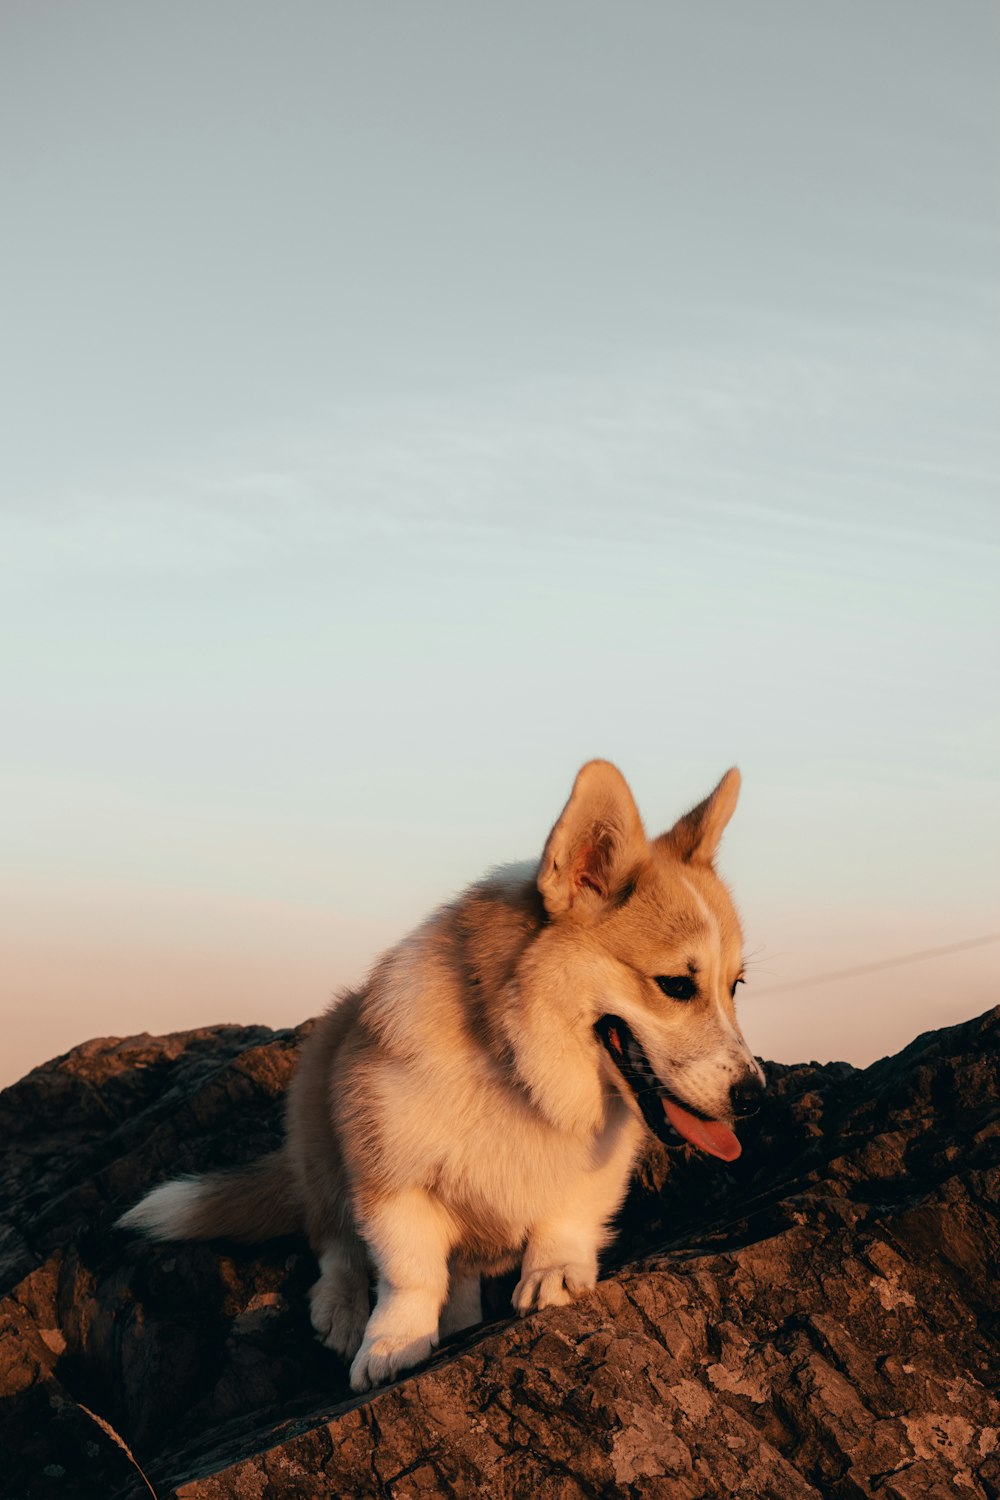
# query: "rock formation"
(817, 1319)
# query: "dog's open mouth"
(659, 1108)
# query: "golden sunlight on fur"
(479, 1102)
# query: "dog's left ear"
(696, 836)
(596, 846)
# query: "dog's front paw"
(382, 1357)
(552, 1286)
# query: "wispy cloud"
(876, 440)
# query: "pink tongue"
(708, 1135)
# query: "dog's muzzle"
(666, 1116)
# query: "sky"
(403, 404)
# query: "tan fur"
(458, 1114)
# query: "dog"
(480, 1101)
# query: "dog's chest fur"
(433, 1096)
(499, 1168)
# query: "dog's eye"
(677, 986)
(732, 992)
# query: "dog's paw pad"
(381, 1358)
(552, 1286)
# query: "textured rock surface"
(818, 1319)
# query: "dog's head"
(652, 943)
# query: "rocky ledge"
(817, 1319)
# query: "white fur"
(408, 1238)
(164, 1213)
(464, 1307)
(338, 1303)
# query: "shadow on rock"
(815, 1319)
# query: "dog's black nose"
(745, 1097)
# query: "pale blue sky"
(403, 404)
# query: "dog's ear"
(594, 849)
(695, 837)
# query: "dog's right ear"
(594, 849)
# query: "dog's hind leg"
(338, 1301)
(339, 1305)
(464, 1307)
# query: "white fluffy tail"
(249, 1203)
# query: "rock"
(818, 1318)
